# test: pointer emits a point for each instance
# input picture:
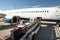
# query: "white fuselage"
(44, 12)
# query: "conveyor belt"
(46, 33)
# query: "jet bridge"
(23, 33)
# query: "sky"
(18, 4)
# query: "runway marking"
(52, 35)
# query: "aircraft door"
(57, 14)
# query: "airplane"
(47, 13)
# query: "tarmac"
(5, 30)
(57, 30)
(46, 32)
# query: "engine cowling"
(15, 19)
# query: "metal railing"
(32, 31)
(20, 34)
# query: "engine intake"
(15, 19)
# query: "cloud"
(10, 7)
(26, 6)
(36, 6)
(0, 11)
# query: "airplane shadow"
(5, 27)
